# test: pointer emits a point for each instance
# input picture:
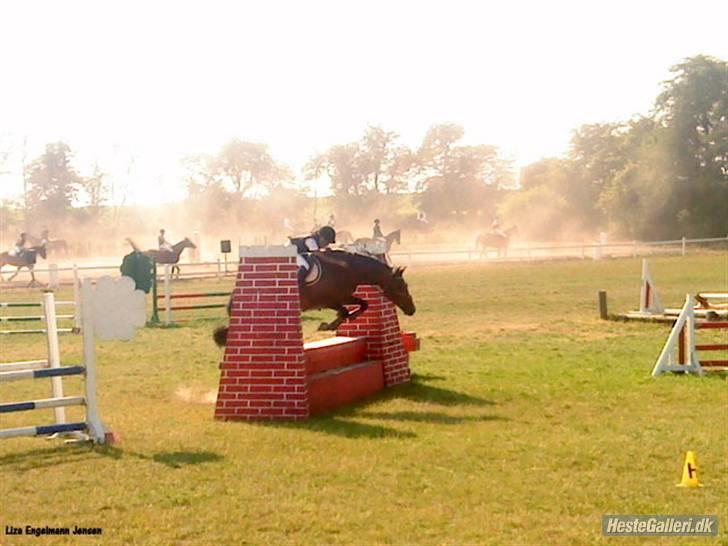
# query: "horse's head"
(187, 243)
(41, 250)
(397, 292)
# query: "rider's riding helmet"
(328, 234)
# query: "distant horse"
(341, 273)
(372, 246)
(343, 236)
(26, 258)
(498, 241)
(167, 256)
(53, 246)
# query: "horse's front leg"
(32, 282)
(342, 314)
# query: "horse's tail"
(136, 248)
(220, 335)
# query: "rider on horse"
(318, 240)
(19, 245)
(495, 227)
(163, 243)
(377, 231)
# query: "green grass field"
(527, 419)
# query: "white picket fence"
(226, 265)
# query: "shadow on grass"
(428, 417)
(57, 455)
(342, 422)
(73, 453)
(174, 459)
(418, 390)
(337, 425)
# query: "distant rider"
(19, 245)
(495, 227)
(377, 231)
(163, 243)
(318, 240)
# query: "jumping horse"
(167, 256)
(26, 258)
(340, 274)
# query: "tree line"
(657, 175)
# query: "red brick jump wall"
(267, 374)
(380, 326)
(263, 374)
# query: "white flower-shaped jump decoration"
(118, 308)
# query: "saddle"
(313, 274)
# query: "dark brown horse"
(26, 258)
(167, 256)
(498, 241)
(341, 273)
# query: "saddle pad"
(314, 272)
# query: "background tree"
(457, 180)
(540, 207)
(362, 173)
(95, 194)
(53, 184)
(693, 110)
(384, 162)
(245, 167)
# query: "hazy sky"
(156, 81)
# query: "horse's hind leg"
(11, 277)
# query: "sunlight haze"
(135, 86)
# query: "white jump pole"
(76, 298)
(167, 297)
(54, 352)
(95, 427)
(52, 276)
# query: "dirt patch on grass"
(195, 395)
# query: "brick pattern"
(379, 324)
(263, 373)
